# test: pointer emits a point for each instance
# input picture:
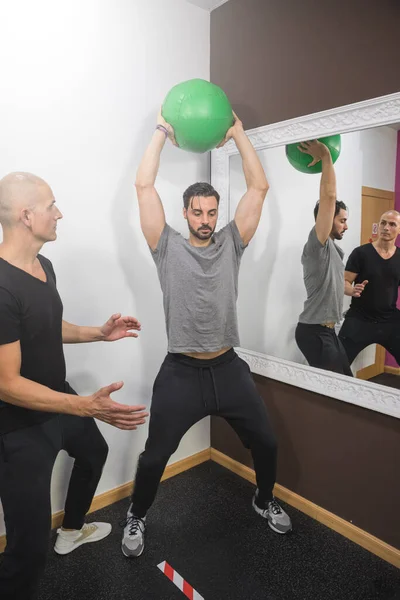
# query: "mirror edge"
(375, 112)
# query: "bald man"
(40, 414)
(372, 278)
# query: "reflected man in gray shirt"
(323, 270)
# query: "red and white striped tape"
(180, 583)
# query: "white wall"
(379, 147)
(81, 84)
(271, 288)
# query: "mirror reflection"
(320, 279)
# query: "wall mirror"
(271, 287)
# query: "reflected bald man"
(372, 278)
(40, 414)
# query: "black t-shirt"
(378, 300)
(31, 312)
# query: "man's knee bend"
(97, 458)
(271, 445)
(101, 452)
(159, 450)
(266, 444)
(153, 460)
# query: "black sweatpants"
(356, 334)
(188, 389)
(322, 348)
(27, 458)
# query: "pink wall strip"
(390, 361)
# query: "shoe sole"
(277, 530)
(132, 555)
(86, 541)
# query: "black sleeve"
(355, 261)
(10, 321)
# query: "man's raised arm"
(152, 217)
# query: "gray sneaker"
(278, 520)
(133, 538)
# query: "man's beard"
(202, 233)
(337, 235)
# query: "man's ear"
(26, 217)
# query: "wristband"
(163, 129)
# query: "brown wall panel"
(278, 59)
(343, 458)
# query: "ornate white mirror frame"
(354, 117)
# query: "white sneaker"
(70, 540)
(133, 538)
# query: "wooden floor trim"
(392, 370)
(125, 490)
(348, 530)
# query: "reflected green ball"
(300, 161)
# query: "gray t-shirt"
(200, 288)
(323, 271)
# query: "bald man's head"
(394, 213)
(389, 225)
(19, 191)
(27, 209)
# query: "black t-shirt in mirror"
(378, 300)
(31, 312)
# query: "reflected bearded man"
(323, 272)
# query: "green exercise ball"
(200, 114)
(299, 160)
